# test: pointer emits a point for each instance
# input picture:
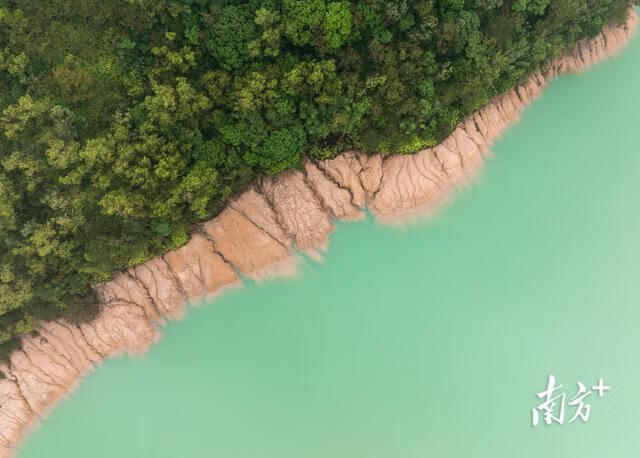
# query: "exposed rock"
(334, 198)
(345, 171)
(70, 342)
(163, 288)
(119, 328)
(249, 249)
(370, 172)
(15, 414)
(129, 290)
(473, 131)
(256, 208)
(199, 269)
(471, 156)
(410, 184)
(299, 210)
(38, 381)
(446, 153)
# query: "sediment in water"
(257, 236)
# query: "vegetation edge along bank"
(256, 236)
(124, 124)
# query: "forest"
(125, 122)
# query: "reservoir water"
(427, 341)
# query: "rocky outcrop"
(256, 236)
(336, 200)
(299, 210)
(199, 269)
(243, 245)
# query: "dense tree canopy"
(124, 122)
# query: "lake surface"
(430, 341)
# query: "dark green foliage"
(302, 20)
(230, 35)
(124, 122)
(337, 24)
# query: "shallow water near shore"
(427, 341)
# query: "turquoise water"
(429, 341)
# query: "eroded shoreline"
(257, 236)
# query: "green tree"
(337, 24)
(302, 19)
